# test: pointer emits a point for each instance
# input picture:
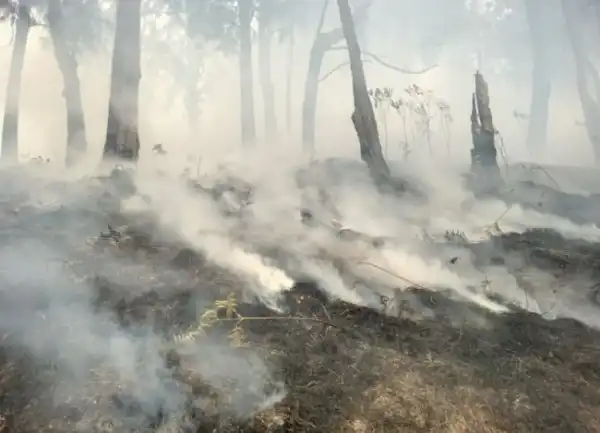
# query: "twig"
(400, 277)
(334, 70)
(285, 318)
(545, 171)
(502, 215)
(388, 65)
(396, 68)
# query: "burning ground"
(156, 304)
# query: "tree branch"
(322, 19)
(333, 36)
(377, 60)
(397, 68)
(334, 70)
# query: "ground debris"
(348, 367)
(344, 368)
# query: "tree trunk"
(288, 80)
(484, 163)
(122, 136)
(266, 81)
(192, 94)
(311, 91)
(246, 11)
(76, 131)
(363, 116)
(322, 43)
(191, 99)
(540, 97)
(585, 72)
(10, 126)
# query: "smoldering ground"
(87, 311)
(55, 311)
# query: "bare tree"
(245, 14)
(288, 78)
(122, 136)
(194, 65)
(10, 127)
(265, 33)
(323, 42)
(363, 116)
(67, 63)
(587, 75)
(539, 29)
(291, 16)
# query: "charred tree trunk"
(122, 136)
(245, 12)
(288, 80)
(585, 72)
(540, 79)
(484, 163)
(266, 81)
(10, 126)
(76, 131)
(363, 116)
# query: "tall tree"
(289, 78)
(228, 23)
(587, 77)
(169, 24)
(122, 136)
(194, 68)
(10, 127)
(67, 63)
(322, 43)
(246, 9)
(265, 35)
(363, 116)
(288, 18)
(539, 28)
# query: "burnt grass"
(346, 368)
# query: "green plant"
(226, 311)
(222, 310)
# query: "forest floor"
(437, 364)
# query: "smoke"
(48, 303)
(49, 309)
